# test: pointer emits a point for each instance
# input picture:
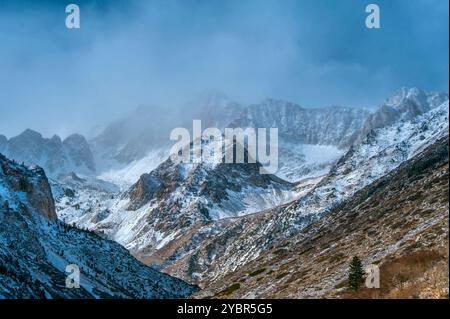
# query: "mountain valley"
(350, 182)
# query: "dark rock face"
(149, 127)
(79, 151)
(32, 183)
(143, 191)
(40, 196)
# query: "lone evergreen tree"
(356, 273)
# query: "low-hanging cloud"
(128, 53)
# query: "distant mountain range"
(54, 155)
(139, 142)
(310, 139)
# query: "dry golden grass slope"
(399, 222)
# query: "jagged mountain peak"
(29, 134)
(52, 154)
(56, 139)
(405, 104)
(212, 180)
(425, 99)
(75, 138)
(18, 179)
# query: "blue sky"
(129, 53)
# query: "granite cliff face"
(31, 184)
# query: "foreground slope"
(35, 249)
(399, 222)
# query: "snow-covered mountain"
(73, 154)
(310, 139)
(379, 153)
(165, 207)
(35, 249)
(337, 126)
(146, 130)
(244, 239)
(404, 105)
(132, 137)
(202, 221)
